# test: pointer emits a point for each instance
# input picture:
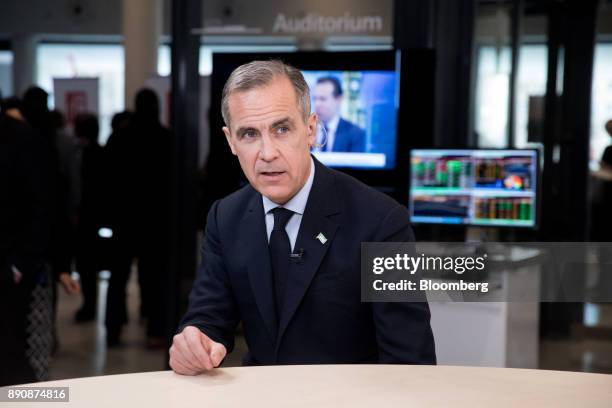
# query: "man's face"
(268, 134)
(326, 104)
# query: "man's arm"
(212, 311)
(403, 330)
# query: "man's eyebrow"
(282, 121)
(242, 130)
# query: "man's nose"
(268, 149)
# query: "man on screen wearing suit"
(338, 135)
(282, 254)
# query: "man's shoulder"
(358, 195)
(17, 133)
(232, 206)
(369, 214)
(348, 126)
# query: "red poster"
(76, 102)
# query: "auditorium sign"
(298, 18)
(320, 24)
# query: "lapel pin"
(321, 238)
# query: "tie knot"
(281, 217)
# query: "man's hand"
(193, 352)
(71, 286)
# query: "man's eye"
(282, 129)
(249, 134)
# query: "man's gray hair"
(262, 73)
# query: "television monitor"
(357, 113)
(474, 187)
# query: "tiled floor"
(82, 351)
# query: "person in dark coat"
(90, 207)
(26, 233)
(38, 116)
(139, 172)
(24, 239)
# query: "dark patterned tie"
(280, 250)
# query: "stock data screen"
(474, 187)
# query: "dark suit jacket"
(349, 138)
(323, 320)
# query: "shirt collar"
(297, 204)
(332, 124)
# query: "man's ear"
(312, 129)
(228, 137)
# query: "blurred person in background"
(139, 157)
(26, 281)
(606, 158)
(120, 121)
(61, 167)
(90, 207)
(13, 108)
(24, 237)
(38, 116)
(606, 169)
(66, 148)
(601, 215)
(602, 200)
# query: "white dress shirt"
(331, 126)
(297, 204)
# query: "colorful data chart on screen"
(474, 187)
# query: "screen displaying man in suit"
(337, 135)
(282, 254)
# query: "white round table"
(340, 386)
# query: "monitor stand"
(486, 240)
(483, 235)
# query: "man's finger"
(179, 367)
(217, 353)
(206, 342)
(196, 347)
(184, 354)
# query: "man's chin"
(278, 195)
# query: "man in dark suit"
(282, 255)
(337, 135)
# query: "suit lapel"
(321, 205)
(254, 241)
